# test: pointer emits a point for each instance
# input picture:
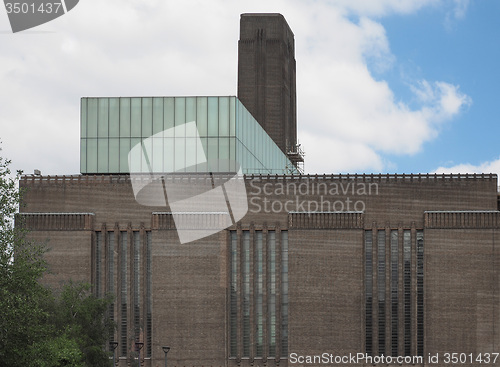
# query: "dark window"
(284, 293)
(420, 293)
(407, 290)
(149, 297)
(233, 314)
(390, 286)
(137, 285)
(111, 279)
(381, 291)
(369, 292)
(253, 308)
(259, 296)
(271, 243)
(246, 293)
(394, 291)
(98, 247)
(123, 295)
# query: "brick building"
(320, 267)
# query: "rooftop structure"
(224, 134)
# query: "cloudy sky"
(405, 86)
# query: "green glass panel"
(124, 118)
(135, 117)
(83, 118)
(147, 155)
(157, 155)
(114, 117)
(157, 115)
(232, 154)
(246, 127)
(83, 155)
(191, 116)
(224, 148)
(252, 133)
(102, 118)
(213, 116)
(204, 143)
(102, 155)
(168, 114)
(135, 159)
(180, 154)
(91, 155)
(190, 109)
(202, 116)
(114, 155)
(147, 117)
(191, 154)
(232, 116)
(246, 158)
(239, 152)
(258, 146)
(213, 153)
(124, 150)
(168, 157)
(180, 118)
(92, 117)
(224, 116)
(238, 119)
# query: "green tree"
(82, 317)
(56, 352)
(22, 297)
(37, 328)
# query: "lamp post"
(165, 349)
(139, 346)
(112, 346)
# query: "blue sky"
(463, 51)
(405, 86)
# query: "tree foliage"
(39, 328)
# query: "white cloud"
(456, 13)
(485, 167)
(383, 7)
(135, 48)
(444, 99)
(460, 8)
(345, 105)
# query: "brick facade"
(326, 262)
